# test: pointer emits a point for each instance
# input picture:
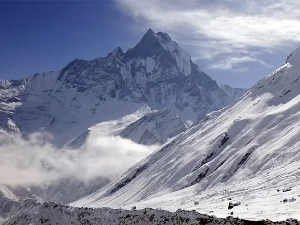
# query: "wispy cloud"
(227, 28)
(233, 63)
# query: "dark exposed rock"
(231, 205)
(51, 213)
(287, 189)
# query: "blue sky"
(233, 41)
(44, 36)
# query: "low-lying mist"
(35, 161)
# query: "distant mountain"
(156, 72)
(247, 153)
(234, 93)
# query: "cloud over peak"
(215, 28)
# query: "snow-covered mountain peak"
(117, 52)
(162, 46)
(149, 32)
(183, 59)
(147, 47)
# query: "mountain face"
(156, 72)
(247, 152)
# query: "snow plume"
(35, 161)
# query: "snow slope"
(246, 151)
(154, 128)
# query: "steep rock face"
(157, 71)
(154, 128)
(250, 148)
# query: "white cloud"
(214, 28)
(274, 22)
(232, 63)
(35, 161)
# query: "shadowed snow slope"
(246, 152)
(154, 128)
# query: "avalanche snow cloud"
(35, 161)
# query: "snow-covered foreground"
(52, 213)
(264, 196)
